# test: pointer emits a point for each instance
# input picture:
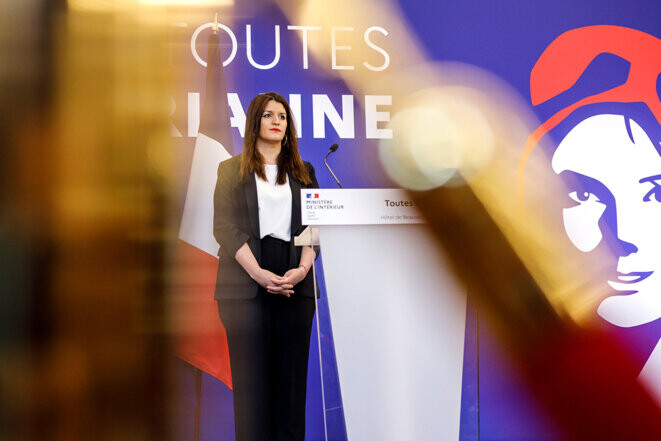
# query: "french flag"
(200, 338)
(312, 196)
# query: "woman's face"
(614, 181)
(273, 124)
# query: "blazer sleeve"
(226, 221)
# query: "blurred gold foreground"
(85, 199)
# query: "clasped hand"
(276, 284)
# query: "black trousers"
(269, 341)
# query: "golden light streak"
(450, 119)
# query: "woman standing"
(264, 287)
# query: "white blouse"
(274, 203)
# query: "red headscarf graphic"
(567, 57)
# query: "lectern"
(397, 315)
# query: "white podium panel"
(357, 207)
(398, 320)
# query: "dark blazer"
(236, 221)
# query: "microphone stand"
(332, 149)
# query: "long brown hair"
(289, 160)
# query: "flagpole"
(210, 150)
(198, 372)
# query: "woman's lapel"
(295, 205)
(250, 190)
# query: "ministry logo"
(313, 202)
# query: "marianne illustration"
(609, 155)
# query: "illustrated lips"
(629, 278)
(275, 130)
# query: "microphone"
(332, 149)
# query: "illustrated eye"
(583, 196)
(655, 191)
(283, 117)
(266, 115)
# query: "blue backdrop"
(505, 38)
